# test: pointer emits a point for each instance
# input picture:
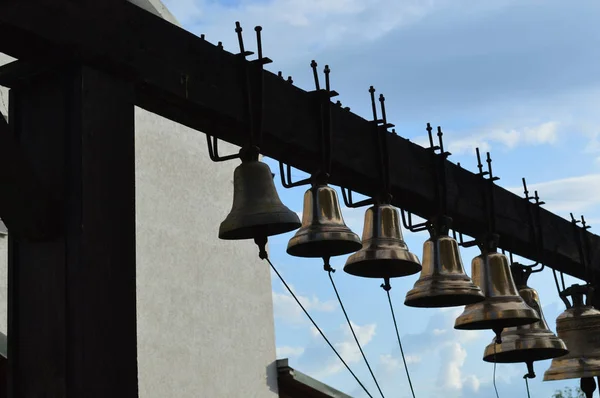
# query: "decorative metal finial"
(313, 65)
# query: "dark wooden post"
(72, 313)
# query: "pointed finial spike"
(373, 108)
(383, 114)
(440, 134)
(238, 30)
(313, 65)
(258, 29)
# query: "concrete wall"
(205, 314)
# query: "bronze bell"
(443, 281)
(323, 232)
(257, 210)
(384, 253)
(579, 327)
(502, 307)
(526, 343)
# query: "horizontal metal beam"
(193, 82)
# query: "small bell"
(384, 253)
(579, 327)
(443, 281)
(502, 307)
(323, 232)
(257, 211)
(526, 343)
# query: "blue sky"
(518, 78)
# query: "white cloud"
(573, 194)
(453, 358)
(286, 308)
(287, 351)
(308, 24)
(348, 349)
(544, 133)
(391, 364)
(472, 383)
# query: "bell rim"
(268, 229)
(511, 317)
(395, 268)
(551, 374)
(552, 348)
(340, 244)
(386, 265)
(458, 299)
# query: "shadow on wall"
(272, 377)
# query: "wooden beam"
(71, 299)
(186, 79)
(27, 207)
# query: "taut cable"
(353, 333)
(263, 255)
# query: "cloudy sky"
(517, 78)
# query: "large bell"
(502, 307)
(443, 281)
(323, 233)
(257, 211)
(526, 343)
(579, 327)
(384, 253)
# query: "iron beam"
(72, 297)
(191, 81)
(28, 207)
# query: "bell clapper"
(498, 332)
(530, 373)
(588, 386)
(326, 265)
(386, 284)
(261, 242)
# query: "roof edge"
(306, 386)
(157, 8)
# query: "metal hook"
(213, 150)
(408, 224)
(461, 241)
(540, 234)
(212, 142)
(383, 157)
(582, 255)
(532, 227)
(286, 175)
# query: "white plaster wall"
(205, 316)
